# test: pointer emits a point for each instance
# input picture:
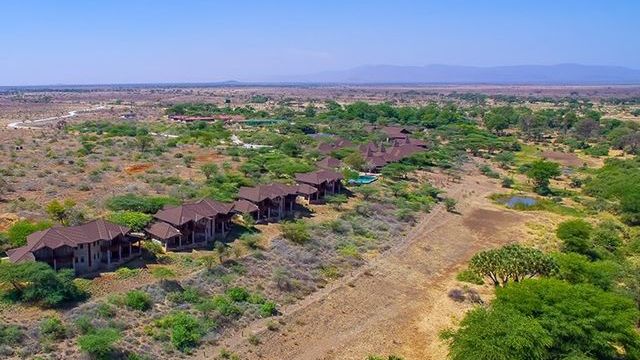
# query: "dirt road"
(398, 304)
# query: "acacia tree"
(512, 263)
(541, 172)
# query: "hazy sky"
(118, 41)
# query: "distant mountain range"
(568, 74)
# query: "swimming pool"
(364, 179)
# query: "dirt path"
(398, 303)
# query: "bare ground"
(398, 304)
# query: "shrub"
(105, 310)
(224, 306)
(186, 331)
(10, 334)
(450, 204)
(138, 300)
(267, 309)
(99, 343)
(53, 328)
(161, 272)
(237, 294)
(83, 325)
(296, 231)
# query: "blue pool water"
(520, 200)
(364, 179)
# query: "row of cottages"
(88, 248)
(192, 225)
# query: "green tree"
(511, 263)
(549, 319)
(498, 334)
(18, 232)
(540, 172)
(37, 282)
(134, 220)
(575, 235)
(209, 170)
(143, 142)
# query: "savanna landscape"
(510, 231)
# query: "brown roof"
(329, 163)
(306, 189)
(182, 214)
(338, 143)
(71, 236)
(395, 130)
(318, 177)
(262, 192)
(163, 231)
(244, 206)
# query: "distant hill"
(448, 74)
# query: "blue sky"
(117, 41)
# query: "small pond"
(520, 201)
(364, 179)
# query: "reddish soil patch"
(566, 159)
(137, 168)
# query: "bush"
(10, 334)
(296, 231)
(53, 328)
(83, 325)
(185, 329)
(237, 294)
(99, 343)
(138, 300)
(224, 306)
(269, 308)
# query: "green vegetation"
(511, 263)
(99, 344)
(296, 231)
(17, 233)
(138, 300)
(36, 282)
(137, 203)
(540, 172)
(185, 330)
(529, 320)
(134, 220)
